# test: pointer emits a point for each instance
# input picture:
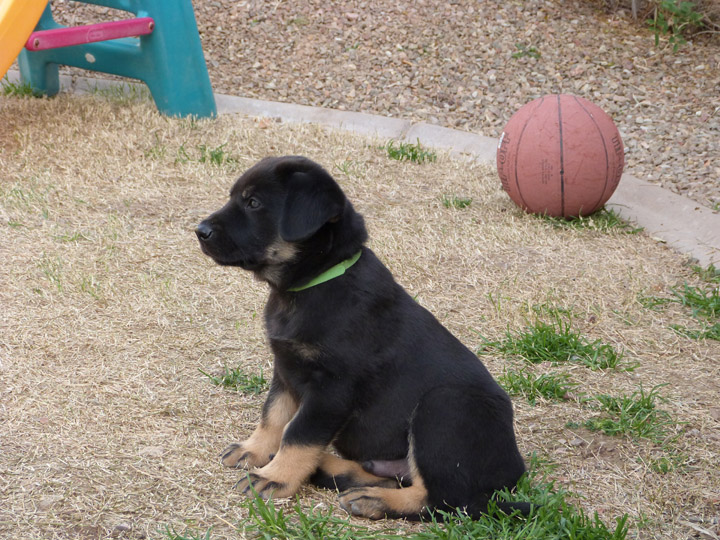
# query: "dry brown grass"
(109, 309)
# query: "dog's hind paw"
(361, 502)
(378, 503)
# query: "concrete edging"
(681, 223)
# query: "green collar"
(331, 273)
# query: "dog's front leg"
(304, 441)
(257, 451)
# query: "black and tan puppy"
(359, 366)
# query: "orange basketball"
(560, 156)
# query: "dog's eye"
(253, 203)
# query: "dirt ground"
(109, 311)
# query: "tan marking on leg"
(412, 463)
(281, 411)
(293, 464)
(409, 500)
(284, 475)
(378, 502)
(265, 440)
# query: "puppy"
(359, 366)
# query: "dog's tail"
(484, 506)
(508, 507)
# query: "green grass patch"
(205, 154)
(703, 302)
(565, 522)
(707, 332)
(267, 521)
(169, 533)
(351, 169)
(71, 238)
(667, 464)
(709, 274)
(91, 286)
(157, 150)
(403, 151)
(674, 19)
(456, 202)
(236, 379)
(19, 89)
(525, 50)
(549, 386)
(215, 156)
(653, 302)
(123, 93)
(28, 195)
(52, 269)
(635, 415)
(556, 342)
(553, 517)
(604, 220)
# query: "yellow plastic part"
(18, 19)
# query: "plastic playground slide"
(17, 21)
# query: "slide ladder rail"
(166, 54)
(90, 33)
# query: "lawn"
(121, 344)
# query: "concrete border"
(687, 226)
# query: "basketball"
(560, 156)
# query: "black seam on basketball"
(607, 159)
(517, 153)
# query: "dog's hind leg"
(341, 474)
(461, 449)
(378, 502)
(463, 446)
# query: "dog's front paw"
(255, 483)
(364, 502)
(239, 456)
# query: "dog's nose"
(204, 231)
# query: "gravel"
(470, 65)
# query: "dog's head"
(286, 220)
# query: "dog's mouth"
(241, 262)
(236, 259)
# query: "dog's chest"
(282, 319)
(286, 327)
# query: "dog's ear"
(313, 199)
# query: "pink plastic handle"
(79, 35)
